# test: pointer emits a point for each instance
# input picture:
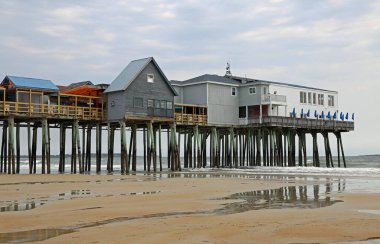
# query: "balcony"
(273, 99)
(190, 114)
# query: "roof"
(85, 90)
(129, 74)
(24, 82)
(63, 88)
(207, 77)
(78, 84)
(235, 80)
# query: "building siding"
(196, 94)
(223, 109)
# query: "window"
(321, 99)
(169, 105)
(330, 100)
(314, 98)
(150, 78)
(252, 90)
(150, 103)
(303, 97)
(138, 102)
(163, 104)
(264, 90)
(233, 91)
(156, 103)
(242, 112)
(309, 97)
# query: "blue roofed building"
(27, 92)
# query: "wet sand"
(191, 209)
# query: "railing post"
(42, 103)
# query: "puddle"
(31, 203)
(32, 235)
(369, 211)
(303, 197)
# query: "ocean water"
(361, 166)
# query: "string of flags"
(329, 115)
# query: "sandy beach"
(181, 208)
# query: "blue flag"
(328, 115)
(346, 116)
(294, 112)
(302, 113)
(353, 116)
(334, 117)
(315, 114)
(323, 115)
(308, 113)
(341, 116)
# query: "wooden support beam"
(123, 149)
(62, 148)
(98, 147)
(18, 148)
(134, 142)
(73, 167)
(160, 146)
(30, 157)
(11, 149)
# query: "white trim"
(150, 78)
(206, 82)
(235, 91)
(249, 90)
(259, 83)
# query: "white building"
(233, 100)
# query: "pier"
(141, 99)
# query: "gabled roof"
(129, 74)
(31, 83)
(205, 78)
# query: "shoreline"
(120, 208)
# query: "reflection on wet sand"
(304, 196)
(32, 235)
(310, 196)
(31, 203)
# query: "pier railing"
(303, 123)
(36, 109)
(59, 106)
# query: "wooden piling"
(62, 148)
(11, 149)
(29, 137)
(160, 146)
(123, 149)
(18, 148)
(98, 139)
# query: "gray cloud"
(331, 43)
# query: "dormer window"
(150, 78)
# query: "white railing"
(273, 98)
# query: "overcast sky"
(332, 44)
